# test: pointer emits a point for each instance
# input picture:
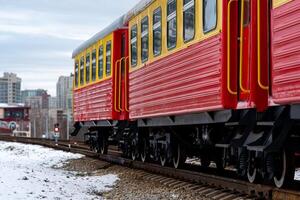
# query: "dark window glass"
(133, 45)
(144, 39)
(171, 24)
(76, 73)
(87, 68)
(157, 32)
(100, 62)
(210, 15)
(81, 70)
(108, 58)
(247, 13)
(188, 20)
(94, 65)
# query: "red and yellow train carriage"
(196, 76)
(99, 83)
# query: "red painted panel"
(93, 102)
(184, 82)
(286, 53)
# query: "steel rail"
(257, 191)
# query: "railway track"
(211, 186)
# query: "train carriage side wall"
(184, 82)
(93, 102)
(190, 78)
(286, 51)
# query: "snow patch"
(297, 174)
(30, 172)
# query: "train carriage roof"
(117, 24)
(143, 4)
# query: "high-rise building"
(31, 96)
(10, 88)
(64, 92)
(52, 102)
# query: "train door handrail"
(120, 81)
(261, 85)
(115, 88)
(126, 84)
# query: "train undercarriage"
(261, 147)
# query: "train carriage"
(198, 76)
(99, 83)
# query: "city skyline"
(37, 40)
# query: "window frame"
(183, 20)
(108, 43)
(131, 44)
(82, 70)
(100, 58)
(94, 73)
(87, 74)
(203, 17)
(76, 73)
(144, 34)
(176, 18)
(158, 9)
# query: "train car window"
(108, 58)
(247, 13)
(144, 39)
(133, 45)
(209, 15)
(94, 65)
(87, 69)
(171, 24)
(100, 62)
(81, 70)
(76, 73)
(188, 20)
(157, 32)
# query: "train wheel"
(103, 146)
(252, 172)
(205, 161)
(143, 152)
(221, 160)
(285, 170)
(163, 157)
(134, 150)
(178, 155)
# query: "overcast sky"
(37, 37)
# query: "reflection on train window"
(100, 62)
(144, 39)
(81, 70)
(108, 58)
(171, 24)
(157, 32)
(210, 15)
(188, 20)
(87, 69)
(76, 73)
(133, 44)
(94, 65)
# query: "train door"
(247, 52)
(123, 78)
